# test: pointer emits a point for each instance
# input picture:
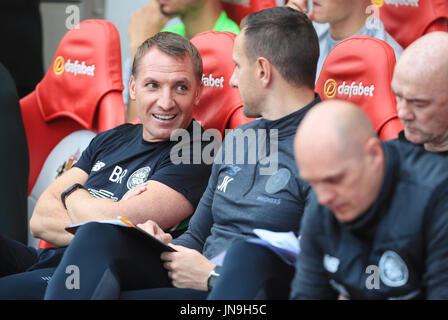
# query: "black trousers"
(252, 272)
(249, 272)
(109, 262)
(25, 271)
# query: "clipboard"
(152, 242)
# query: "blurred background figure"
(21, 34)
(336, 20)
(14, 161)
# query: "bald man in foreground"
(420, 83)
(377, 224)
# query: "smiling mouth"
(163, 117)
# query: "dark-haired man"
(277, 86)
(422, 104)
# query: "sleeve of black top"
(188, 178)
(435, 276)
(88, 156)
(310, 280)
(202, 220)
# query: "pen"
(128, 223)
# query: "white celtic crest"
(138, 177)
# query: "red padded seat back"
(80, 95)
(408, 20)
(360, 70)
(220, 106)
(238, 9)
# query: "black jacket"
(397, 249)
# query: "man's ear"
(375, 151)
(264, 71)
(132, 88)
(198, 94)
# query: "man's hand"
(144, 23)
(300, 5)
(135, 191)
(153, 229)
(187, 268)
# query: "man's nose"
(234, 80)
(405, 112)
(325, 196)
(166, 100)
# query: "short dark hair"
(173, 45)
(287, 38)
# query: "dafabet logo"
(59, 66)
(396, 3)
(331, 87)
(378, 3)
(210, 81)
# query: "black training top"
(253, 185)
(119, 159)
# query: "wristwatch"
(212, 277)
(69, 190)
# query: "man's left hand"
(187, 268)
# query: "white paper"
(72, 228)
(284, 244)
(285, 240)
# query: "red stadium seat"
(360, 70)
(238, 9)
(220, 106)
(407, 22)
(80, 95)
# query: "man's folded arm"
(159, 203)
(49, 217)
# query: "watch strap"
(69, 190)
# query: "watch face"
(211, 281)
(212, 277)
